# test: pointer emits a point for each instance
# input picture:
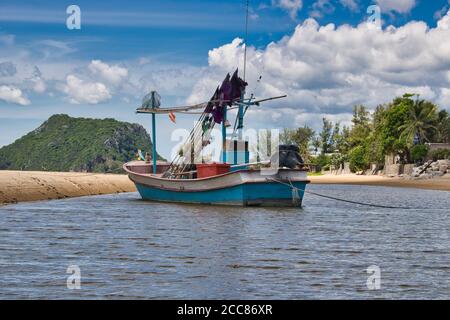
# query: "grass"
(315, 174)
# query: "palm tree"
(443, 127)
(316, 143)
(422, 117)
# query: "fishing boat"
(190, 178)
(280, 181)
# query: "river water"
(128, 248)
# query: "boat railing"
(262, 163)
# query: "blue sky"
(125, 48)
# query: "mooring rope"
(339, 199)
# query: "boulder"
(443, 165)
(435, 166)
(425, 176)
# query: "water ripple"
(130, 249)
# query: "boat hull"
(285, 187)
(251, 194)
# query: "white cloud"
(292, 6)
(351, 4)
(52, 49)
(111, 74)
(80, 91)
(444, 22)
(329, 69)
(7, 69)
(39, 85)
(176, 80)
(37, 81)
(400, 6)
(444, 97)
(441, 12)
(13, 95)
(321, 8)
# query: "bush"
(440, 154)
(419, 152)
(338, 160)
(322, 162)
(358, 159)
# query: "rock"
(426, 176)
(416, 171)
(444, 165)
(435, 166)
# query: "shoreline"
(438, 184)
(21, 186)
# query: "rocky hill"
(63, 143)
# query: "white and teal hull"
(239, 188)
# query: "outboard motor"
(289, 156)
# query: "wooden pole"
(154, 142)
(241, 117)
(224, 135)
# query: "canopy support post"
(240, 125)
(224, 135)
(154, 142)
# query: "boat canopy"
(187, 109)
(151, 101)
(172, 109)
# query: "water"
(127, 248)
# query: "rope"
(339, 199)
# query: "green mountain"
(63, 143)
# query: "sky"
(326, 55)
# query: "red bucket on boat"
(206, 170)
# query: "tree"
(442, 127)
(419, 152)
(336, 137)
(361, 126)
(360, 116)
(316, 143)
(325, 136)
(387, 120)
(375, 145)
(358, 159)
(300, 137)
(422, 116)
(287, 136)
(344, 144)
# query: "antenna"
(245, 40)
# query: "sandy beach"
(19, 186)
(442, 183)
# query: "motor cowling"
(288, 156)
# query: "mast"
(241, 107)
(245, 40)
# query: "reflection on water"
(127, 248)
